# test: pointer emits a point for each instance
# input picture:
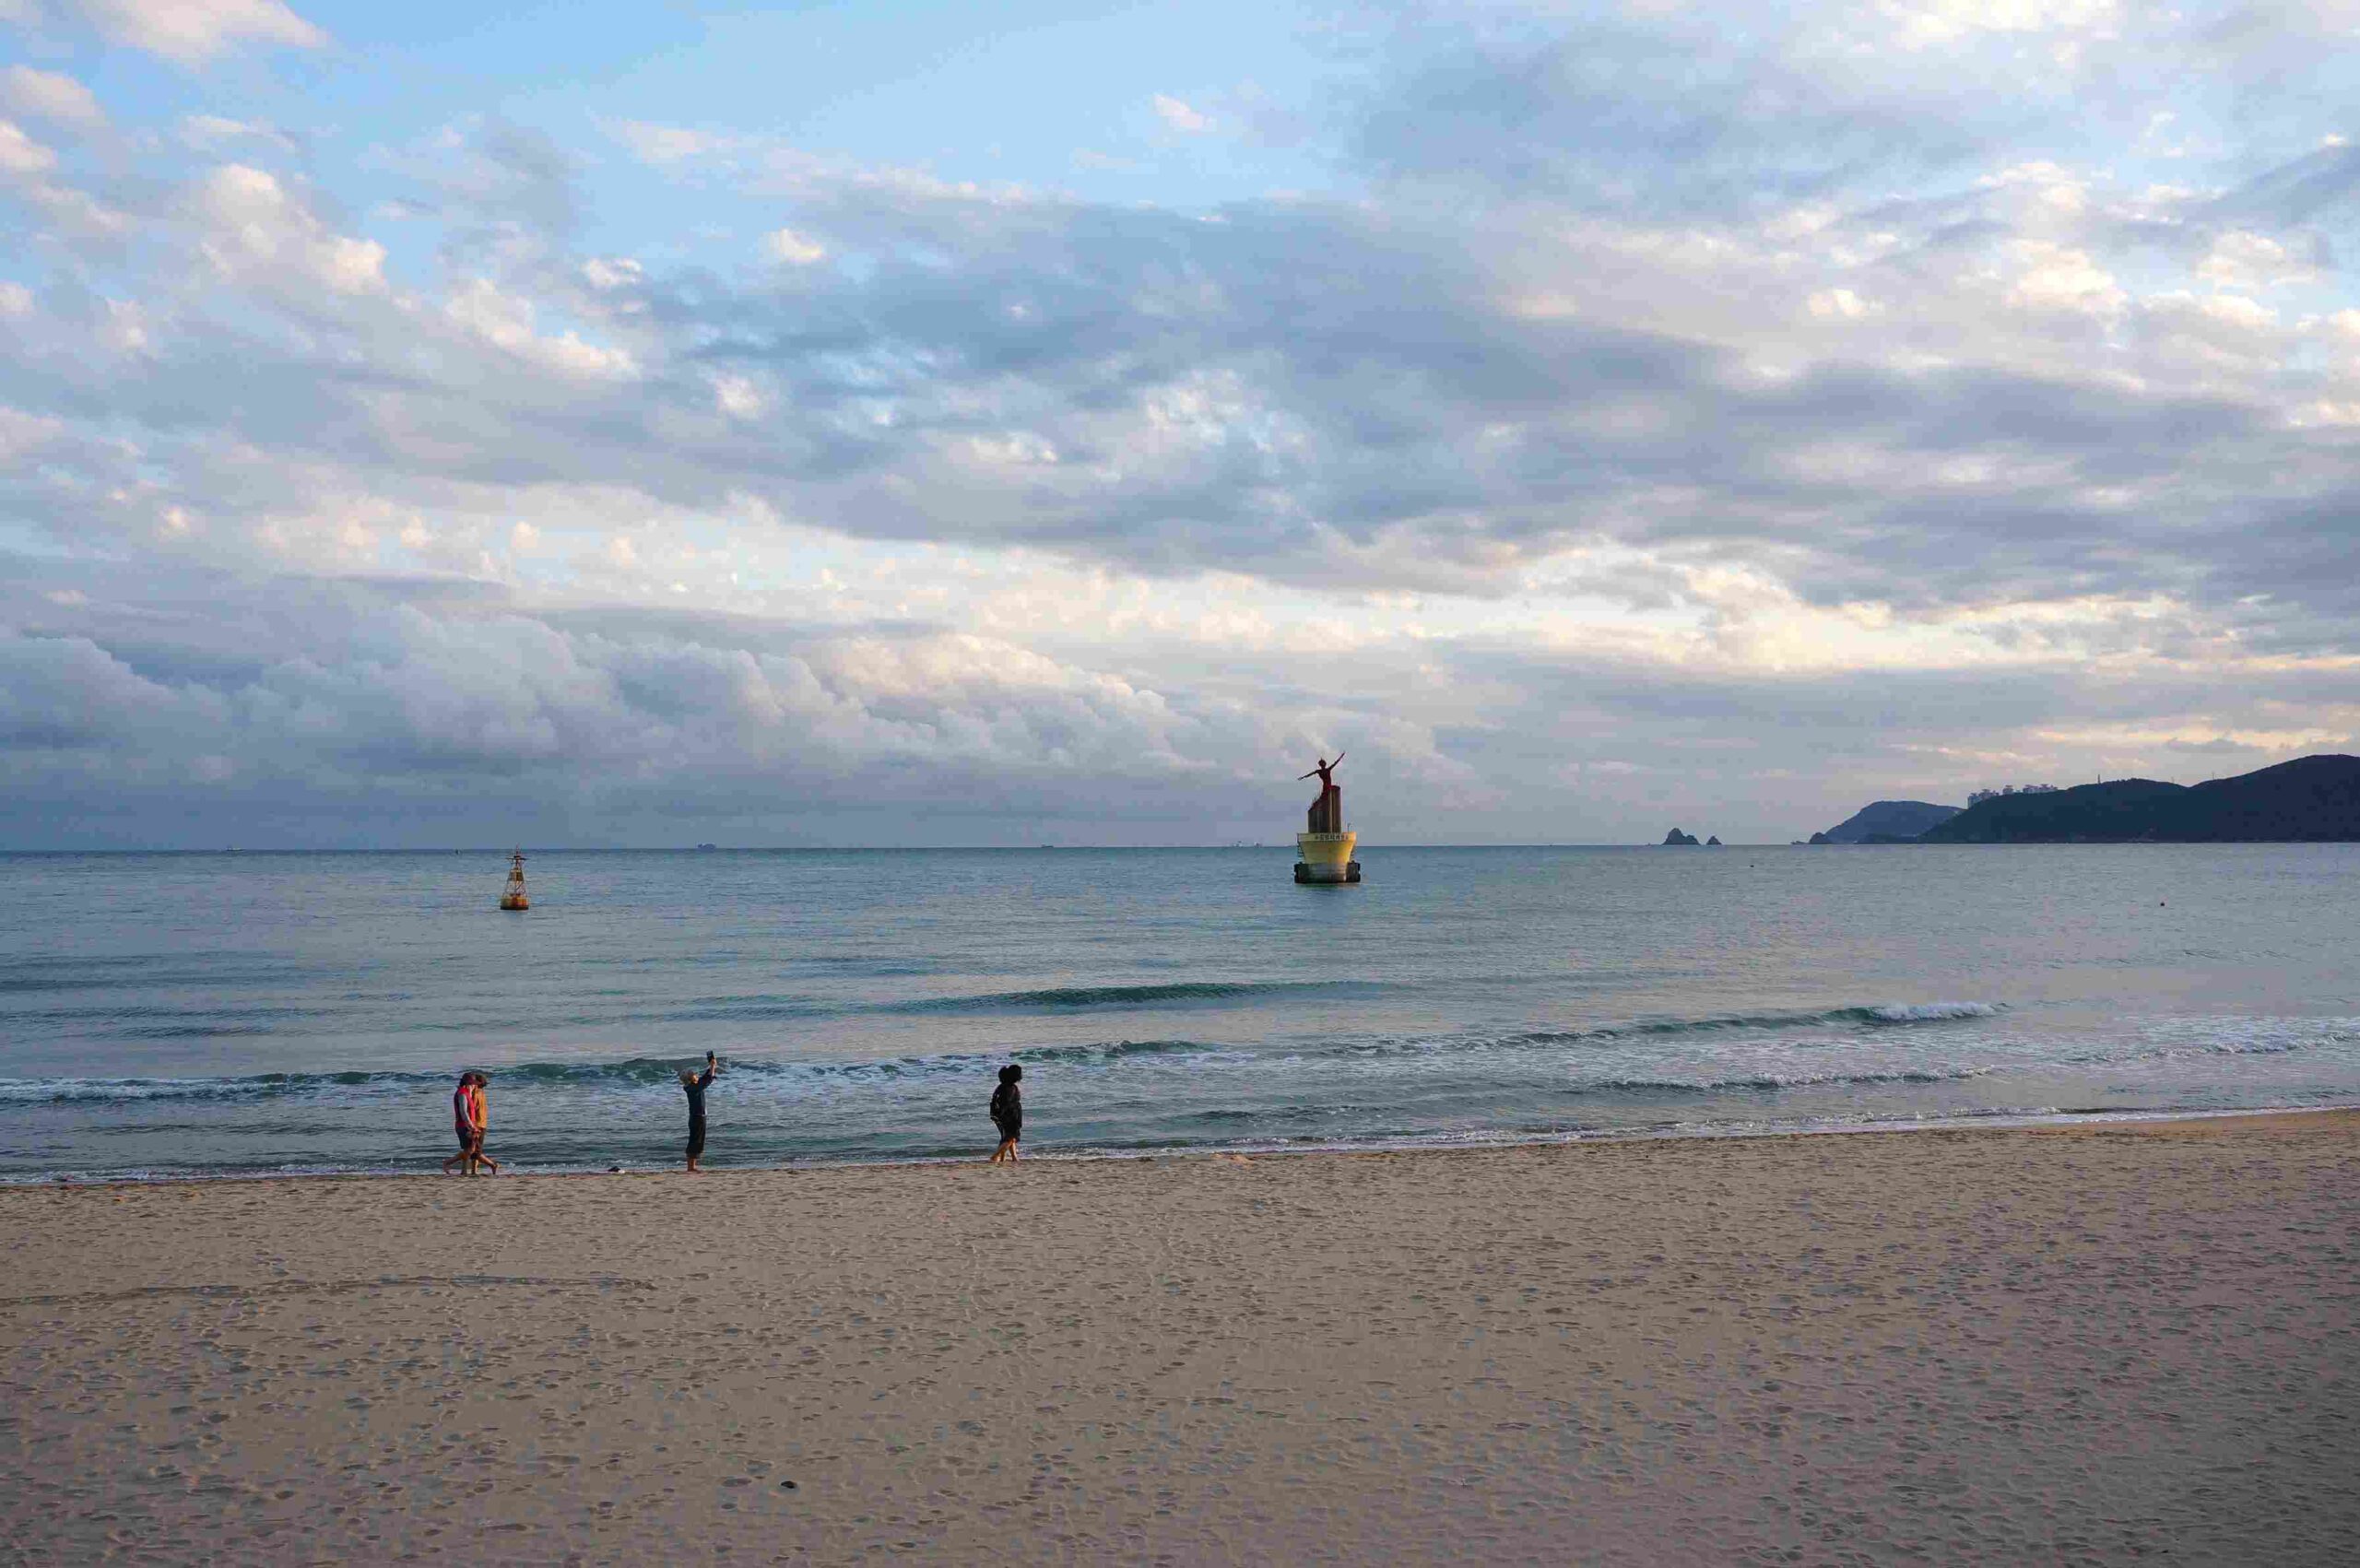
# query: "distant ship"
(513, 896)
(708, 847)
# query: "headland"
(2309, 800)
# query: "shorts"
(1011, 1131)
(466, 1140)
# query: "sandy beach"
(2094, 1343)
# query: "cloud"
(1180, 116)
(668, 145)
(20, 155)
(195, 32)
(46, 95)
(211, 131)
(507, 322)
(1740, 424)
(405, 700)
(254, 224)
(2239, 259)
(2317, 184)
(793, 249)
(453, 713)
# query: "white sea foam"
(1930, 1012)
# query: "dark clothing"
(694, 1089)
(1007, 1111)
(466, 1136)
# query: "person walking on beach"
(1008, 1113)
(694, 1085)
(483, 1125)
(470, 1116)
(462, 1121)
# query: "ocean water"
(168, 1014)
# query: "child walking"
(1008, 1113)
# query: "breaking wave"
(1868, 1014)
(1061, 998)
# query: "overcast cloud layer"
(1595, 421)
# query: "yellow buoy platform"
(1326, 857)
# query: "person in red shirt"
(470, 1116)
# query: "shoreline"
(2098, 1341)
(1971, 1122)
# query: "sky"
(924, 424)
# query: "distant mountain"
(1887, 820)
(2310, 800)
(1676, 836)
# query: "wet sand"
(2094, 1343)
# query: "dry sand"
(2011, 1346)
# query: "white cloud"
(46, 95)
(611, 272)
(206, 132)
(2058, 277)
(22, 433)
(124, 329)
(1841, 304)
(77, 215)
(194, 32)
(2240, 259)
(786, 245)
(507, 321)
(1181, 116)
(1619, 394)
(1924, 24)
(667, 144)
(20, 155)
(253, 222)
(738, 397)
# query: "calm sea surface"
(182, 1013)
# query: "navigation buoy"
(513, 896)
(1327, 849)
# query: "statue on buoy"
(1327, 849)
(513, 896)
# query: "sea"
(165, 1016)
